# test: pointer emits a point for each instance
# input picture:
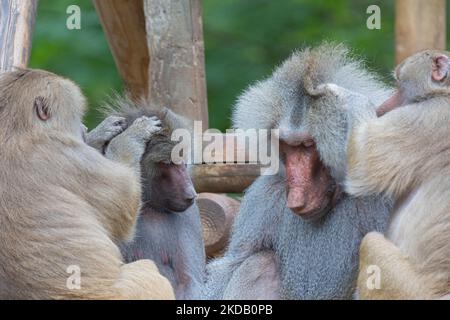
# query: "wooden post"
(124, 24)
(17, 19)
(217, 213)
(175, 44)
(419, 25)
(158, 48)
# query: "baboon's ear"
(42, 108)
(440, 68)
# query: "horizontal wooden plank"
(223, 178)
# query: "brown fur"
(405, 154)
(62, 203)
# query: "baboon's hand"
(344, 97)
(129, 146)
(106, 131)
(144, 128)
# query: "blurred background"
(244, 41)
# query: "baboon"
(297, 234)
(63, 205)
(169, 229)
(404, 153)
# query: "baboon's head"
(167, 186)
(33, 100)
(418, 77)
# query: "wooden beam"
(234, 168)
(123, 22)
(217, 213)
(223, 178)
(176, 49)
(17, 18)
(419, 25)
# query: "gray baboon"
(169, 229)
(64, 207)
(405, 153)
(297, 234)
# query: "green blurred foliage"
(81, 55)
(244, 41)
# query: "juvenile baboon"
(405, 153)
(169, 229)
(297, 234)
(63, 205)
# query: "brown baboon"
(404, 153)
(64, 206)
(169, 229)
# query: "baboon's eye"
(42, 109)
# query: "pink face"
(310, 188)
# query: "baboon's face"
(40, 99)
(168, 186)
(311, 191)
(173, 187)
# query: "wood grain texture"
(419, 25)
(176, 49)
(217, 213)
(17, 18)
(223, 178)
(123, 22)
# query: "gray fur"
(281, 100)
(317, 259)
(179, 236)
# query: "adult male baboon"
(297, 234)
(169, 229)
(64, 206)
(405, 153)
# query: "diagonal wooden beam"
(17, 18)
(158, 49)
(123, 22)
